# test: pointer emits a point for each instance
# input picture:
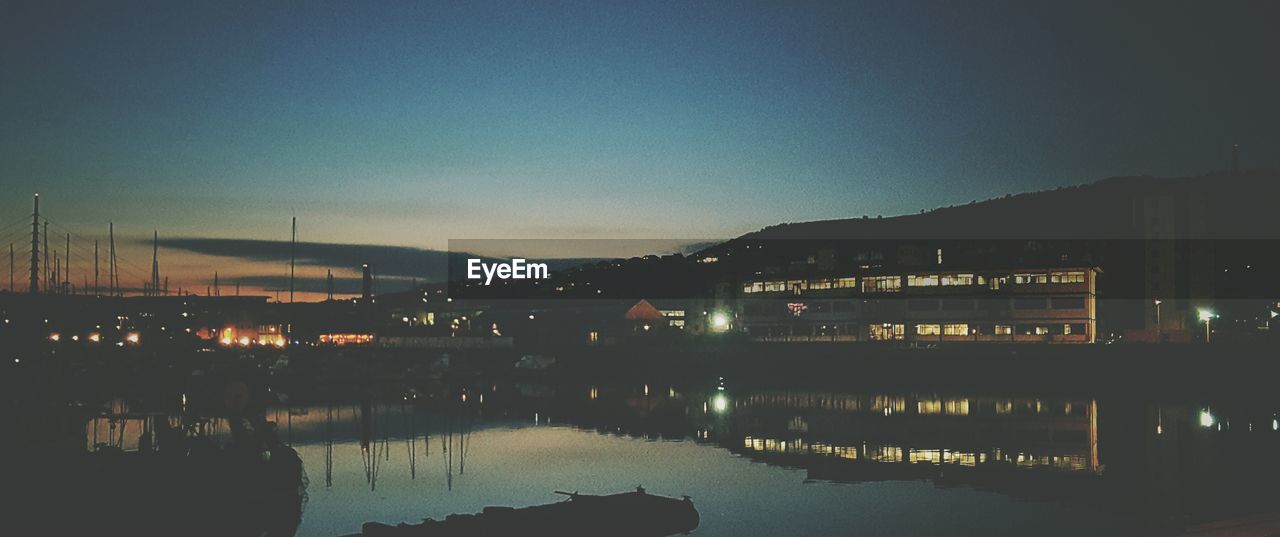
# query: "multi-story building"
(1055, 305)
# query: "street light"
(1206, 315)
(1159, 325)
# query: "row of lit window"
(962, 329)
(874, 284)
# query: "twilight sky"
(412, 123)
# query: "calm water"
(760, 460)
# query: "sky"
(410, 124)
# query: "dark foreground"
(787, 439)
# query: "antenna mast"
(112, 278)
(293, 248)
(155, 261)
(35, 247)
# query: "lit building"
(1055, 305)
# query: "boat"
(636, 513)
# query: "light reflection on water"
(783, 461)
(522, 465)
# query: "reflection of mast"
(328, 447)
(450, 444)
(411, 438)
(368, 448)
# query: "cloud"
(388, 262)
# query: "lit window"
(1030, 278)
(846, 283)
(1066, 277)
(955, 329)
(928, 329)
(1003, 330)
(957, 279)
(922, 280)
(881, 283)
(1042, 330)
(886, 331)
(820, 284)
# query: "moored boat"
(635, 513)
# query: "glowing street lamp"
(719, 321)
(1206, 315)
(1159, 325)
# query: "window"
(955, 329)
(846, 283)
(819, 284)
(939, 256)
(753, 287)
(1066, 277)
(773, 287)
(957, 279)
(881, 284)
(1004, 330)
(1030, 278)
(886, 331)
(928, 329)
(922, 280)
(1041, 330)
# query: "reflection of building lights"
(720, 403)
(1206, 419)
(226, 341)
(95, 337)
(132, 337)
(244, 341)
(54, 337)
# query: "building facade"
(1055, 305)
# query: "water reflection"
(754, 457)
